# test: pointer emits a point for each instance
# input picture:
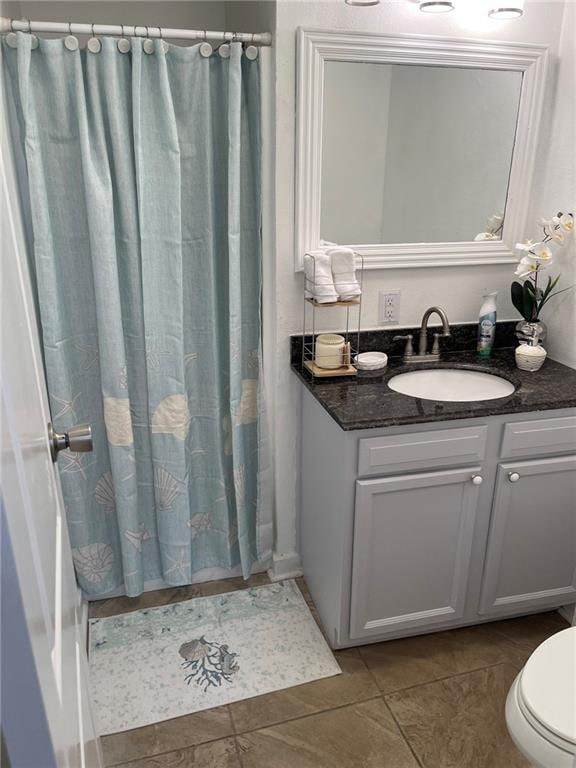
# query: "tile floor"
(434, 701)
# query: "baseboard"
(569, 613)
(285, 565)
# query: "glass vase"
(526, 330)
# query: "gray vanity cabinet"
(412, 543)
(531, 554)
(427, 526)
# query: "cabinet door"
(412, 542)
(531, 556)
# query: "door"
(531, 556)
(34, 517)
(412, 543)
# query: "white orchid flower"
(526, 267)
(542, 253)
(538, 256)
(558, 235)
(566, 222)
(525, 246)
(486, 236)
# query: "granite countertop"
(366, 402)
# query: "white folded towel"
(344, 273)
(319, 279)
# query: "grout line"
(135, 760)
(402, 734)
(238, 752)
(447, 677)
(308, 714)
(232, 721)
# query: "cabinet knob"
(477, 479)
(513, 477)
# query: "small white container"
(371, 361)
(529, 358)
(329, 350)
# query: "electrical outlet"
(389, 307)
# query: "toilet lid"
(548, 685)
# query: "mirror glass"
(416, 154)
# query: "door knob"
(513, 477)
(477, 479)
(78, 439)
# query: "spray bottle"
(487, 325)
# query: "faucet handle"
(408, 349)
(436, 342)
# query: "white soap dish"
(371, 361)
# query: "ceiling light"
(437, 6)
(362, 2)
(507, 10)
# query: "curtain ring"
(12, 36)
(33, 39)
(70, 41)
(123, 44)
(148, 44)
(94, 45)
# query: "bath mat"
(159, 663)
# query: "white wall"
(457, 289)
(201, 14)
(555, 191)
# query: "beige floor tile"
(460, 722)
(400, 664)
(359, 736)
(169, 735)
(100, 609)
(217, 754)
(353, 685)
(527, 632)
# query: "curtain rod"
(127, 30)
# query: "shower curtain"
(143, 179)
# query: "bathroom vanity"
(420, 515)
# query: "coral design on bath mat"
(209, 663)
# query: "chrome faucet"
(423, 355)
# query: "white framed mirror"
(415, 151)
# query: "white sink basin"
(451, 384)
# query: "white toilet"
(541, 705)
